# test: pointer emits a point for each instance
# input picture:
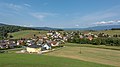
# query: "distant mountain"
(47, 28)
(95, 28)
(33, 28)
(2, 24)
(103, 27)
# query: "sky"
(60, 13)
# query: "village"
(52, 39)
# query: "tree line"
(97, 41)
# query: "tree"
(10, 36)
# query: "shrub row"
(97, 41)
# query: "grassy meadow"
(92, 54)
(72, 55)
(30, 33)
(33, 60)
(26, 34)
(110, 32)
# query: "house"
(81, 37)
(29, 42)
(54, 43)
(3, 45)
(33, 49)
(49, 34)
(90, 37)
(46, 46)
(11, 44)
(20, 42)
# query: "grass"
(91, 54)
(33, 60)
(30, 33)
(93, 46)
(110, 32)
(26, 34)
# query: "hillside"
(4, 29)
(27, 34)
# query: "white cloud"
(42, 15)
(38, 16)
(77, 25)
(27, 25)
(107, 22)
(28, 5)
(10, 6)
(14, 6)
(104, 22)
(118, 21)
(111, 21)
(90, 19)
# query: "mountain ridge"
(104, 27)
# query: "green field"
(110, 32)
(26, 34)
(96, 54)
(93, 46)
(33, 60)
(72, 55)
(30, 33)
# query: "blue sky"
(60, 13)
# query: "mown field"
(26, 34)
(97, 54)
(34, 60)
(110, 32)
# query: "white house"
(47, 46)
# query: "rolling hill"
(47, 28)
(5, 29)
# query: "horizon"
(60, 13)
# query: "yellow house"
(33, 49)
